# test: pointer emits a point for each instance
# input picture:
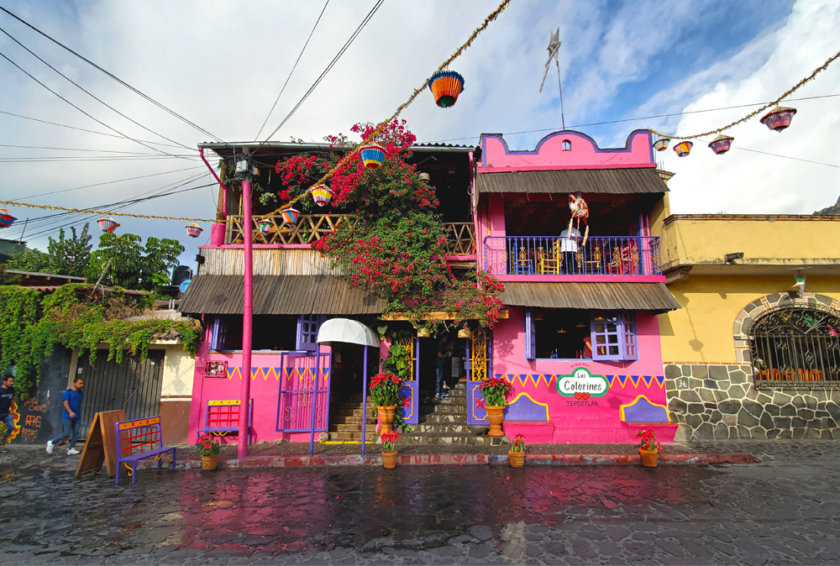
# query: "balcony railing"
(460, 236)
(552, 255)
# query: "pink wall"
(549, 153)
(555, 418)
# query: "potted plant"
(516, 454)
(649, 448)
(496, 391)
(385, 390)
(389, 451)
(209, 448)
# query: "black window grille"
(796, 346)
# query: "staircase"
(442, 422)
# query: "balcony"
(551, 255)
(460, 236)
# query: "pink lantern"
(290, 216)
(721, 144)
(6, 219)
(194, 230)
(322, 195)
(108, 225)
(683, 148)
(661, 144)
(265, 226)
(779, 118)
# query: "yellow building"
(754, 351)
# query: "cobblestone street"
(781, 510)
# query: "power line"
(312, 31)
(72, 149)
(80, 87)
(63, 158)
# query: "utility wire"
(73, 149)
(83, 89)
(60, 158)
(112, 76)
(293, 70)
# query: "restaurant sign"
(581, 384)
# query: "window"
(307, 331)
(796, 345)
(567, 145)
(580, 334)
(268, 333)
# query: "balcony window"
(580, 334)
(272, 333)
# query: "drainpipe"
(247, 319)
(224, 188)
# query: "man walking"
(7, 393)
(71, 417)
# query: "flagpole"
(560, 84)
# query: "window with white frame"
(580, 334)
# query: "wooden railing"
(460, 236)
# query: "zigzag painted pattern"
(623, 381)
(306, 374)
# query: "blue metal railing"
(553, 255)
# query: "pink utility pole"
(247, 319)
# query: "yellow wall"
(701, 331)
(178, 370)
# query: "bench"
(222, 417)
(137, 440)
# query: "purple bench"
(137, 440)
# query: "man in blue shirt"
(71, 417)
(7, 394)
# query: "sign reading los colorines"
(582, 382)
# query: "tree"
(65, 256)
(132, 265)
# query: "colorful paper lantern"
(266, 226)
(779, 118)
(108, 225)
(290, 216)
(322, 195)
(373, 155)
(446, 86)
(721, 144)
(683, 148)
(661, 144)
(194, 230)
(6, 219)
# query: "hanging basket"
(194, 230)
(265, 226)
(6, 219)
(108, 225)
(683, 148)
(779, 118)
(721, 144)
(445, 87)
(661, 144)
(322, 195)
(373, 155)
(290, 216)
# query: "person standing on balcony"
(569, 247)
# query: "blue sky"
(221, 64)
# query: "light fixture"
(730, 258)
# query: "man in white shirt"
(569, 247)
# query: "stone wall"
(720, 402)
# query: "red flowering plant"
(385, 389)
(649, 441)
(518, 444)
(389, 440)
(496, 390)
(208, 445)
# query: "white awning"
(347, 330)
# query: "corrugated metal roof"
(620, 296)
(278, 294)
(605, 181)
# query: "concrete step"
(440, 418)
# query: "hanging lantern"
(464, 333)
(779, 118)
(373, 155)
(322, 195)
(290, 215)
(266, 226)
(683, 148)
(194, 230)
(661, 144)
(6, 219)
(446, 86)
(108, 225)
(423, 333)
(721, 144)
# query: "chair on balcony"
(625, 260)
(522, 264)
(552, 263)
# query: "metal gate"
(304, 380)
(479, 356)
(133, 386)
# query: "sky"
(625, 65)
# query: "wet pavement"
(781, 510)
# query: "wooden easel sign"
(101, 444)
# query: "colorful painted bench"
(222, 417)
(137, 440)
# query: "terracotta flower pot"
(386, 418)
(209, 462)
(389, 460)
(495, 417)
(649, 458)
(516, 459)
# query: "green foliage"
(32, 323)
(65, 256)
(132, 265)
